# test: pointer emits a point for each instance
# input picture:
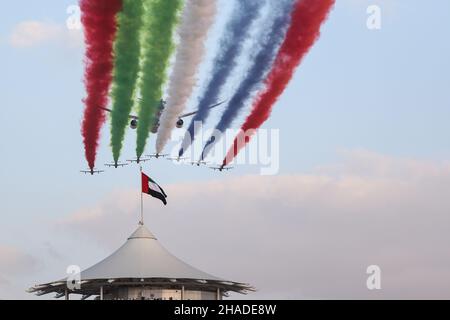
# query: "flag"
(152, 188)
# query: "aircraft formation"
(221, 168)
(132, 59)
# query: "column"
(219, 295)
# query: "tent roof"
(141, 260)
(142, 256)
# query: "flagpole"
(142, 203)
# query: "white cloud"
(34, 33)
(303, 236)
(13, 263)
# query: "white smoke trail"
(197, 18)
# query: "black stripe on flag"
(149, 186)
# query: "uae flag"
(152, 188)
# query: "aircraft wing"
(190, 114)
(158, 155)
(130, 116)
(221, 168)
(111, 165)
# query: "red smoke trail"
(307, 17)
(99, 21)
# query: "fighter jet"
(138, 160)
(157, 155)
(221, 168)
(92, 171)
(199, 163)
(177, 159)
(116, 165)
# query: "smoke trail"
(235, 34)
(126, 68)
(99, 21)
(197, 18)
(307, 18)
(262, 61)
(161, 20)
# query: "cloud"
(302, 236)
(29, 34)
(14, 262)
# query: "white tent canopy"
(142, 256)
(141, 260)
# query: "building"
(144, 270)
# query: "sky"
(363, 178)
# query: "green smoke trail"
(126, 69)
(161, 18)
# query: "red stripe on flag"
(145, 180)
